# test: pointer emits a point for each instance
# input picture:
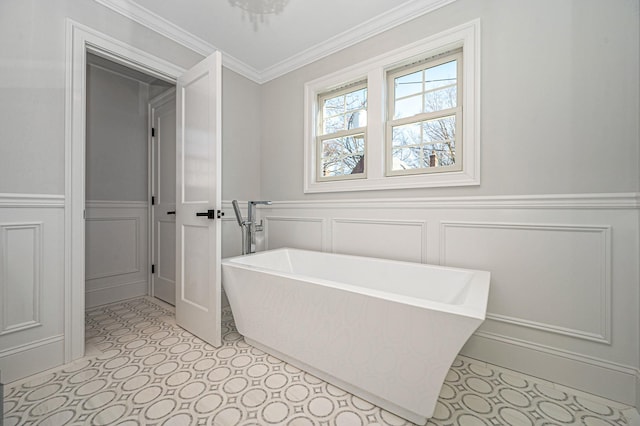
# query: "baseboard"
(637, 405)
(601, 378)
(17, 363)
(104, 296)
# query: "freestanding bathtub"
(383, 330)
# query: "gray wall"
(559, 92)
(32, 84)
(116, 137)
(241, 123)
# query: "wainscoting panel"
(31, 284)
(387, 239)
(563, 303)
(20, 287)
(550, 277)
(295, 232)
(112, 247)
(116, 251)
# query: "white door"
(163, 122)
(198, 201)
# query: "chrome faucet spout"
(253, 227)
(249, 226)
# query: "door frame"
(81, 39)
(155, 102)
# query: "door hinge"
(153, 200)
(153, 269)
(153, 132)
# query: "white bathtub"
(384, 330)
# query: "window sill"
(432, 180)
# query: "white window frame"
(374, 71)
(343, 133)
(424, 116)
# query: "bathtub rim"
(474, 304)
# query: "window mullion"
(375, 156)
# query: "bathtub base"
(367, 396)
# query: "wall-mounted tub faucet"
(249, 227)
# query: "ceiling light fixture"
(257, 10)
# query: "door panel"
(198, 150)
(163, 112)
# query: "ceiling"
(303, 31)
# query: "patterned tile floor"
(143, 369)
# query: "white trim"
(154, 22)
(374, 70)
(605, 201)
(79, 40)
(31, 345)
(618, 376)
(31, 200)
(166, 28)
(401, 14)
(107, 204)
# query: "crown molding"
(374, 26)
(145, 17)
(394, 17)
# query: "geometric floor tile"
(142, 369)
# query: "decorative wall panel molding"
(555, 278)
(116, 251)
(21, 276)
(31, 283)
(113, 246)
(563, 301)
(295, 232)
(390, 239)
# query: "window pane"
(408, 107)
(406, 158)
(356, 100)
(441, 129)
(343, 156)
(333, 124)
(424, 144)
(333, 106)
(409, 84)
(356, 119)
(442, 154)
(409, 134)
(440, 99)
(345, 111)
(441, 75)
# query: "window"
(341, 137)
(424, 109)
(409, 121)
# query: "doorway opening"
(130, 156)
(198, 142)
